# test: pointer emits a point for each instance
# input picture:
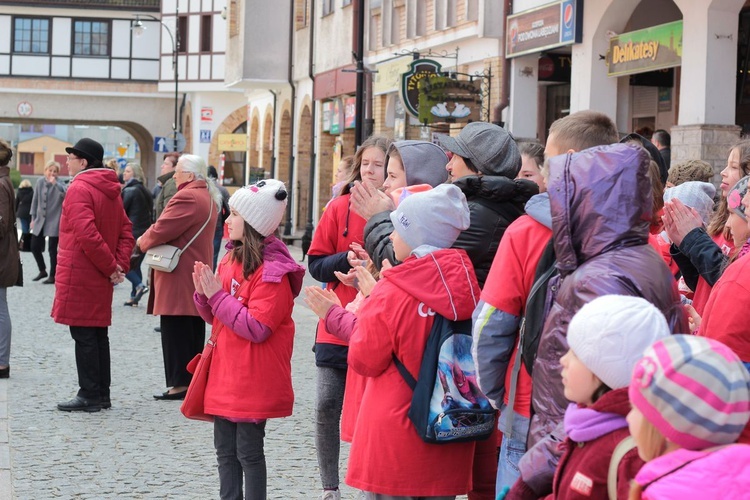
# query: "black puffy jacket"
(494, 202)
(138, 204)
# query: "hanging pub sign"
(350, 112)
(446, 100)
(546, 27)
(336, 117)
(418, 70)
(644, 50)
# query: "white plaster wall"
(205, 67)
(219, 43)
(222, 103)
(194, 29)
(195, 5)
(121, 36)
(61, 36)
(120, 69)
(4, 65)
(31, 65)
(5, 30)
(145, 70)
(218, 67)
(146, 45)
(86, 67)
(333, 40)
(192, 73)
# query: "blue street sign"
(205, 136)
(160, 145)
(122, 163)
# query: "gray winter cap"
(434, 218)
(490, 148)
(694, 194)
(424, 162)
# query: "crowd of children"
(612, 374)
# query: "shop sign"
(418, 70)
(546, 27)
(446, 100)
(648, 49)
(388, 75)
(327, 110)
(555, 68)
(350, 112)
(665, 99)
(336, 117)
(232, 142)
(207, 115)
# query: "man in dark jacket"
(601, 207)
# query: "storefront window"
(234, 163)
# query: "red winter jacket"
(387, 456)
(95, 236)
(253, 380)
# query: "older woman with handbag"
(182, 224)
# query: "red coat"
(95, 237)
(250, 380)
(187, 210)
(387, 456)
(725, 316)
(338, 228)
(590, 460)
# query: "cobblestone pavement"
(141, 448)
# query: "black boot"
(42, 274)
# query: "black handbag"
(19, 279)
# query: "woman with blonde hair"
(46, 209)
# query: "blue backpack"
(447, 405)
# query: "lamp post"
(138, 28)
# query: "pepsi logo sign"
(568, 15)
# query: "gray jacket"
(46, 207)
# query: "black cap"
(89, 149)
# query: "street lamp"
(138, 28)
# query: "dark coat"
(8, 236)
(138, 205)
(23, 202)
(95, 237)
(601, 207)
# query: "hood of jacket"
(600, 199)
(102, 179)
(165, 177)
(424, 162)
(538, 209)
(443, 280)
(497, 189)
(277, 261)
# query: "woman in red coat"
(189, 212)
(94, 254)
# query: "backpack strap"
(532, 323)
(408, 378)
(622, 448)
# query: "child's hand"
(197, 277)
(320, 301)
(679, 220)
(360, 252)
(365, 279)
(209, 282)
(355, 260)
(385, 265)
(347, 279)
(694, 318)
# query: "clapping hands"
(204, 280)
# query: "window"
(31, 35)
(182, 39)
(90, 38)
(206, 24)
(327, 7)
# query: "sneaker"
(331, 495)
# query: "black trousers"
(92, 361)
(37, 249)
(182, 337)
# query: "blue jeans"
(25, 225)
(135, 276)
(512, 448)
(239, 449)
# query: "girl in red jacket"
(606, 337)
(249, 303)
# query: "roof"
(145, 5)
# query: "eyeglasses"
(71, 158)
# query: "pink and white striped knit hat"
(694, 390)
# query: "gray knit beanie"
(424, 162)
(697, 195)
(434, 218)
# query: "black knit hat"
(89, 149)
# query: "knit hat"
(610, 333)
(694, 390)
(489, 147)
(694, 194)
(261, 205)
(734, 198)
(424, 162)
(690, 170)
(435, 217)
(88, 149)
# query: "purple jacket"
(601, 206)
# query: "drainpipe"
(307, 237)
(497, 115)
(290, 184)
(273, 137)
(359, 112)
